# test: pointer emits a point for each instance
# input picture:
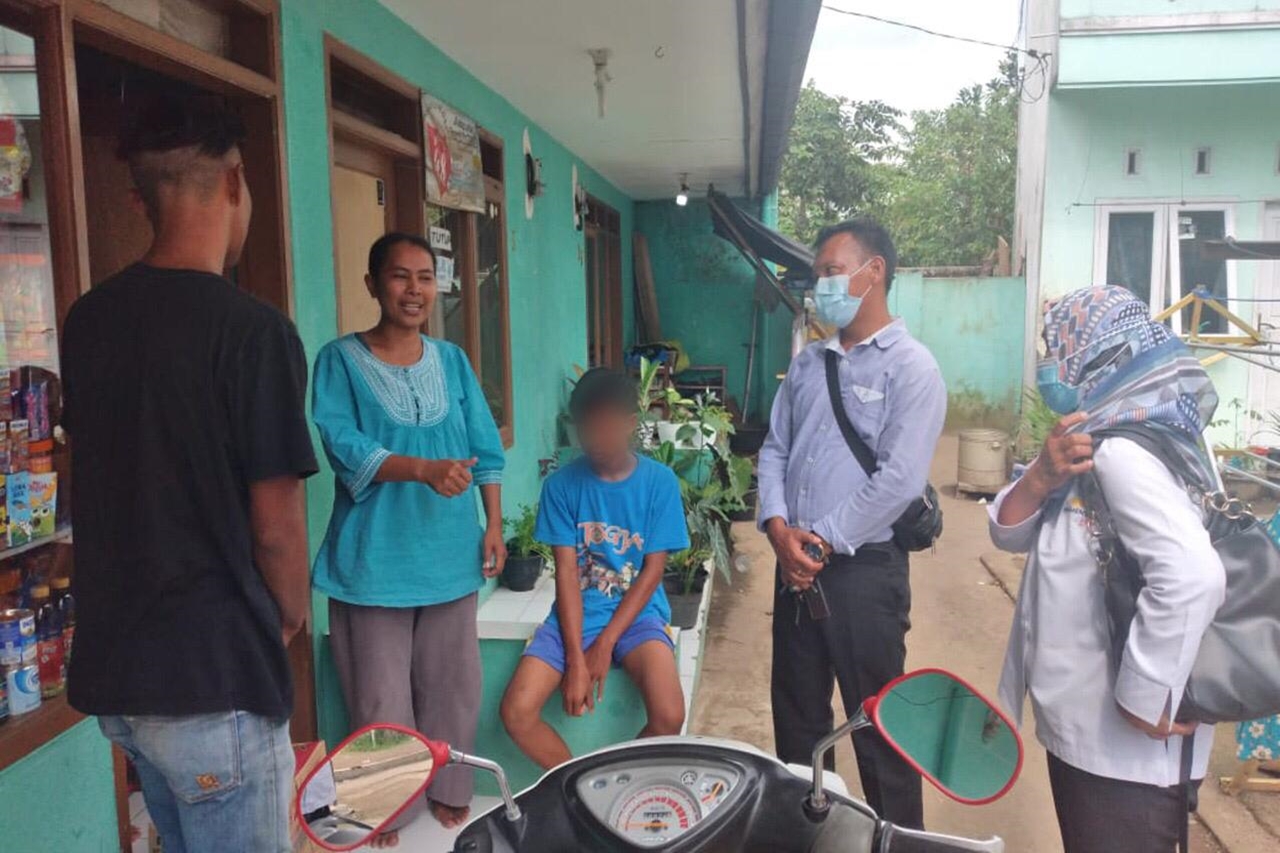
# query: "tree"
(833, 166)
(952, 194)
(944, 186)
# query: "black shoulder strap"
(861, 452)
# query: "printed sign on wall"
(452, 140)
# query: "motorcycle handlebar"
(897, 840)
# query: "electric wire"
(1037, 67)
(1032, 52)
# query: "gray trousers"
(417, 667)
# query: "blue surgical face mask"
(1057, 395)
(831, 297)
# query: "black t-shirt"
(180, 392)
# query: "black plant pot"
(747, 513)
(673, 583)
(521, 573)
(684, 609)
(748, 440)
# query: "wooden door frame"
(609, 251)
(348, 131)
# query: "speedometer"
(656, 814)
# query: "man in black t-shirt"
(185, 405)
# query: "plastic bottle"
(66, 604)
(53, 670)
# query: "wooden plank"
(646, 295)
(20, 735)
(370, 68)
(361, 131)
(122, 36)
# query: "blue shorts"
(547, 644)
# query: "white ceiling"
(664, 115)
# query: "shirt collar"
(883, 339)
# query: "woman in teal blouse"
(410, 437)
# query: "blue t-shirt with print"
(612, 526)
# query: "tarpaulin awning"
(746, 232)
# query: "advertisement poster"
(444, 273)
(452, 141)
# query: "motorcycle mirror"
(365, 784)
(950, 733)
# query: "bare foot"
(450, 816)
(385, 839)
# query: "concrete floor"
(960, 617)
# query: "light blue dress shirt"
(400, 544)
(895, 398)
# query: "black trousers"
(861, 645)
(1101, 815)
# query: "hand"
(599, 658)
(798, 568)
(1063, 457)
(1161, 731)
(575, 688)
(448, 477)
(494, 550)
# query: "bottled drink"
(53, 671)
(66, 604)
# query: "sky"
(867, 60)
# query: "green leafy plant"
(520, 538)
(646, 396)
(1037, 422)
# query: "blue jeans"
(212, 782)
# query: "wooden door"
(364, 209)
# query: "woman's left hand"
(494, 551)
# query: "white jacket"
(1058, 644)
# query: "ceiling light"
(682, 197)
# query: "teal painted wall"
(1156, 58)
(1087, 8)
(61, 796)
(705, 296)
(1088, 133)
(545, 254)
(974, 328)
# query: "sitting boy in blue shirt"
(611, 517)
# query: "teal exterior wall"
(61, 796)
(974, 328)
(705, 297)
(545, 255)
(1088, 133)
(1112, 8)
(1160, 58)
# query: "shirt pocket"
(867, 407)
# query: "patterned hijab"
(1132, 372)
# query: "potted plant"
(526, 556)
(684, 580)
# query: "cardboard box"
(18, 501)
(43, 491)
(307, 757)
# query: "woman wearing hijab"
(1109, 725)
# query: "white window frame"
(1159, 246)
(1166, 272)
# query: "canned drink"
(4, 696)
(23, 683)
(17, 637)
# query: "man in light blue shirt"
(850, 626)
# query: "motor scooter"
(685, 794)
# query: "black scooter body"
(766, 812)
